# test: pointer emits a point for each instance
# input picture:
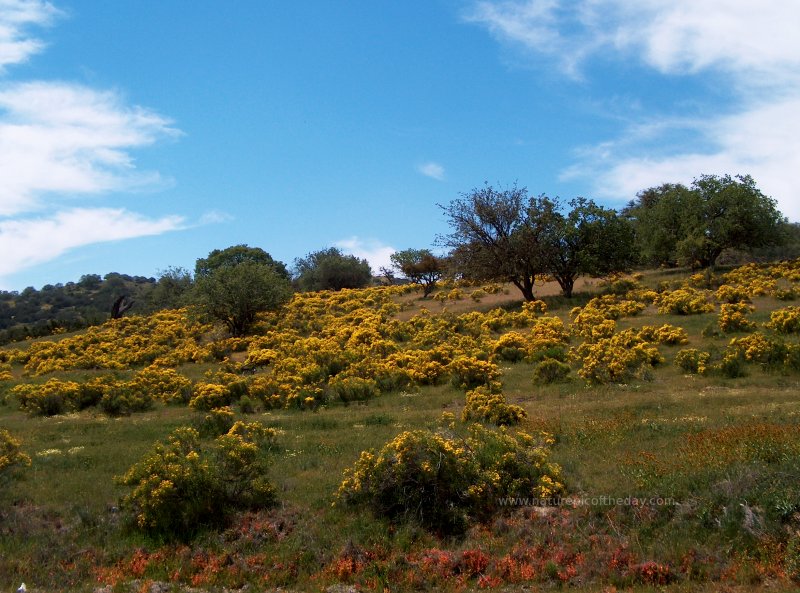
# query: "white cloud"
(66, 139)
(375, 252)
(15, 17)
(432, 170)
(752, 48)
(27, 242)
(60, 142)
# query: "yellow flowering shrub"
(446, 482)
(786, 320)
(684, 301)
(485, 404)
(48, 399)
(769, 351)
(511, 346)
(617, 358)
(166, 338)
(5, 372)
(732, 317)
(11, 457)
(349, 389)
(467, 372)
(664, 334)
(185, 484)
(731, 294)
(207, 396)
(692, 360)
(165, 384)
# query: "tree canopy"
(693, 226)
(236, 291)
(330, 269)
(506, 235)
(420, 266)
(237, 254)
(491, 238)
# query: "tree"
(493, 239)
(170, 291)
(589, 240)
(237, 254)
(330, 269)
(693, 226)
(420, 266)
(236, 293)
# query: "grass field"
(674, 482)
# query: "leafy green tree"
(330, 269)
(171, 289)
(236, 293)
(420, 266)
(693, 226)
(588, 241)
(237, 254)
(492, 238)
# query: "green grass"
(60, 521)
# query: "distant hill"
(75, 305)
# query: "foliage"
(446, 482)
(692, 360)
(732, 317)
(235, 294)
(588, 241)
(420, 266)
(11, 458)
(492, 238)
(694, 225)
(616, 358)
(786, 320)
(551, 370)
(684, 301)
(231, 257)
(487, 404)
(330, 269)
(184, 485)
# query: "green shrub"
(550, 370)
(487, 405)
(123, 399)
(216, 422)
(184, 485)
(349, 389)
(444, 483)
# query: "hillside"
(651, 441)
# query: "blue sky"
(138, 135)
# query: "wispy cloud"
(375, 252)
(761, 71)
(27, 242)
(61, 142)
(432, 170)
(16, 16)
(59, 139)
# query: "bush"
(617, 358)
(444, 483)
(469, 372)
(684, 301)
(692, 360)
(486, 405)
(184, 485)
(11, 458)
(665, 334)
(786, 320)
(123, 399)
(208, 396)
(216, 422)
(550, 370)
(732, 317)
(349, 389)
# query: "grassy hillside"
(675, 477)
